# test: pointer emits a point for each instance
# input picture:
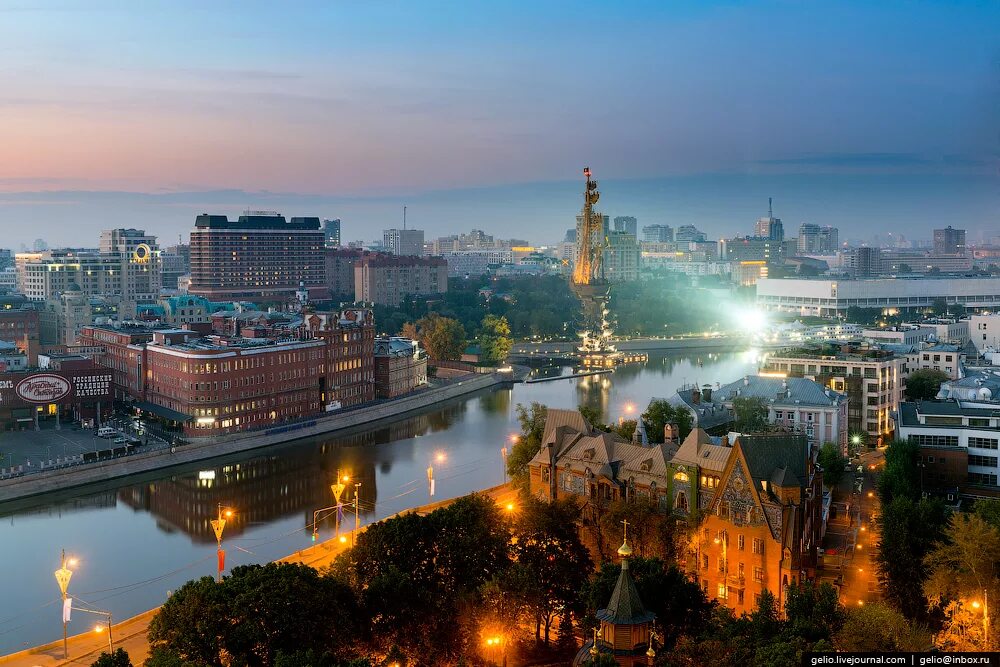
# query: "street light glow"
(98, 629)
(510, 507)
(346, 478)
(440, 457)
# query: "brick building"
(339, 264)
(224, 383)
(259, 256)
(19, 325)
(387, 279)
(400, 367)
(72, 388)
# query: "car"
(106, 432)
(120, 440)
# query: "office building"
(816, 240)
(688, 233)
(621, 257)
(657, 234)
(871, 377)
(6, 258)
(8, 280)
(949, 241)
(627, 224)
(62, 318)
(19, 326)
(750, 248)
(748, 272)
(920, 261)
(770, 227)
(403, 242)
(331, 233)
(825, 297)
(259, 257)
(175, 261)
(139, 259)
(903, 335)
(984, 330)
(387, 280)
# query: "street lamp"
(986, 619)
(63, 575)
(219, 525)
(100, 628)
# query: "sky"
(865, 115)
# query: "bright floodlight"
(753, 320)
(440, 457)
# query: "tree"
(442, 337)
(751, 414)
(908, 530)
(494, 339)
(813, 611)
(532, 420)
(832, 462)
(160, 656)
(592, 416)
(409, 330)
(924, 384)
(878, 627)
(939, 306)
(626, 428)
(117, 659)
(900, 477)
(256, 612)
(548, 545)
(659, 413)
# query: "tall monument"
(589, 283)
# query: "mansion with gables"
(758, 499)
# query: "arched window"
(681, 501)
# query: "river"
(136, 540)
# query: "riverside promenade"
(131, 634)
(198, 449)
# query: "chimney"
(706, 393)
(725, 441)
(746, 380)
(670, 433)
(695, 396)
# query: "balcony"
(737, 581)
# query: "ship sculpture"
(592, 287)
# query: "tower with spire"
(626, 626)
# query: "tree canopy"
(924, 384)
(442, 337)
(659, 413)
(494, 339)
(833, 463)
(751, 414)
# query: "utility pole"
(63, 575)
(357, 512)
(218, 525)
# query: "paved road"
(131, 634)
(852, 535)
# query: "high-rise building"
(657, 234)
(808, 239)
(829, 240)
(40, 245)
(605, 225)
(388, 279)
(260, 257)
(570, 236)
(949, 241)
(6, 258)
(621, 257)
(628, 224)
(139, 258)
(331, 233)
(403, 241)
(176, 262)
(770, 227)
(687, 233)
(866, 262)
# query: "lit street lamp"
(219, 525)
(63, 575)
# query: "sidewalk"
(130, 634)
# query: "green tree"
(878, 627)
(900, 477)
(117, 659)
(908, 530)
(160, 656)
(626, 428)
(254, 613)
(532, 420)
(442, 337)
(832, 462)
(659, 413)
(495, 341)
(593, 417)
(751, 414)
(923, 385)
(601, 660)
(548, 545)
(813, 611)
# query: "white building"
(984, 330)
(475, 262)
(833, 297)
(900, 335)
(403, 241)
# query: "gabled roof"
(702, 450)
(625, 606)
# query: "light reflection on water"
(137, 541)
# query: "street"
(852, 535)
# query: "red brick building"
(72, 389)
(400, 366)
(264, 376)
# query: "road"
(85, 648)
(852, 536)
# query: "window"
(982, 478)
(758, 574)
(758, 545)
(722, 592)
(987, 461)
(741, 545)
(983, 443)
(935, 440)
(704, 561)
(978, 422)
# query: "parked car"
(106, 432)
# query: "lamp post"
(63, 575)
(219, 525)
(986, 619)
(503, 457)
(99, 629)
(357, 511)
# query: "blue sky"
(394, 100)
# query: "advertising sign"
(42, 388)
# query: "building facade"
(408, 242)
(621, 257)
(949, 241)
(331, 233)
(475, 262)
(340, 264)
(259, 256)
(829, 298)
(400, 367)
(984, 330)
(387, 280)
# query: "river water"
(138, 539)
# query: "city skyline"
(363, 109)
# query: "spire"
(770, 209)
(625, 606)
(625, 550)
